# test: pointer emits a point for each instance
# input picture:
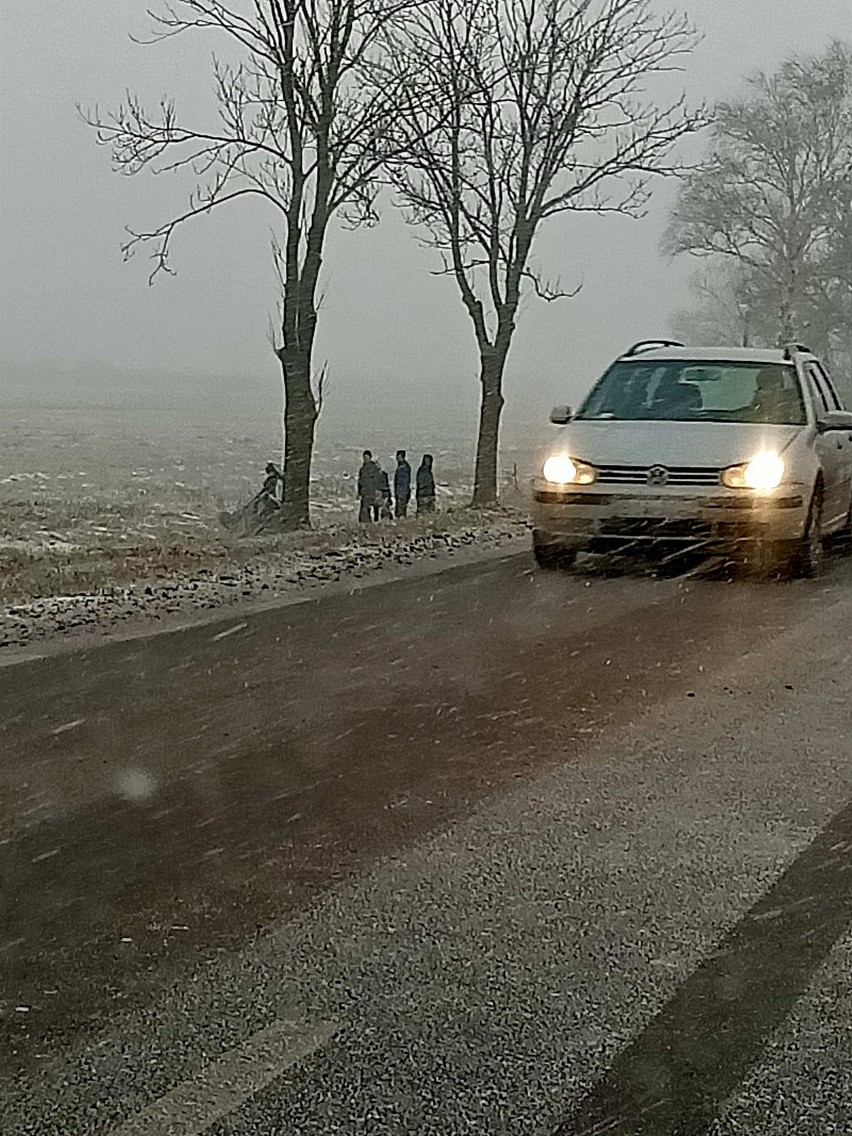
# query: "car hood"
(708, 444)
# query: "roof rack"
(791, 349)
(649, 344)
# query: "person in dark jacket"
(273, 477)
(425, 486)
(369, 488)
(267, 499)
(401, 484)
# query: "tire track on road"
(677, 1073)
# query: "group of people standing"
(375, 501)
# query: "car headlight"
(562, 470)
(766, 471)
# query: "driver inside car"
(674, 399)
(772, 401)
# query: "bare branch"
(549, 292)
(321, 386)
(520, 109)
(161, 237)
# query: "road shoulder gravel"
(308, 566)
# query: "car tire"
(844, 537)
(806, 560)
(553, 556)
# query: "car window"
(825, 386)
(817, 393)
(696, 391)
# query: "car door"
(834, 451)
(845, 439)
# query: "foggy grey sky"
(67, 298)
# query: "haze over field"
(78, 325)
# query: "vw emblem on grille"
(658, 475)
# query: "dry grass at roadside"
(32, 575)
(27, 574)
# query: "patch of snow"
(34, 546)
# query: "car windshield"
(683, 391)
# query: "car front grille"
(646, 528)
(640, 475)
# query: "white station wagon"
(736, 451)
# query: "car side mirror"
(561, 415)
(834, 420)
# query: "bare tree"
(730, 304)
(512, 112)
(775, 194)
(297, 130)
(721, 311)
(733, 304)
(830, 297)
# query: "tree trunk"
(785, 323)
(490, 408)
(300, 416)
(788, 313)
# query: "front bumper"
(594, 518)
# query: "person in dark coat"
(270, 482)
(267, 500)
(401, 484)
(369, 488)
(425, 486)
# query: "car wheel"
(844, 537)
(807, 558)
(553, 556)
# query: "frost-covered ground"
(109, 518)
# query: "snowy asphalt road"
(488, 852)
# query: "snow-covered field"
(110, 516)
